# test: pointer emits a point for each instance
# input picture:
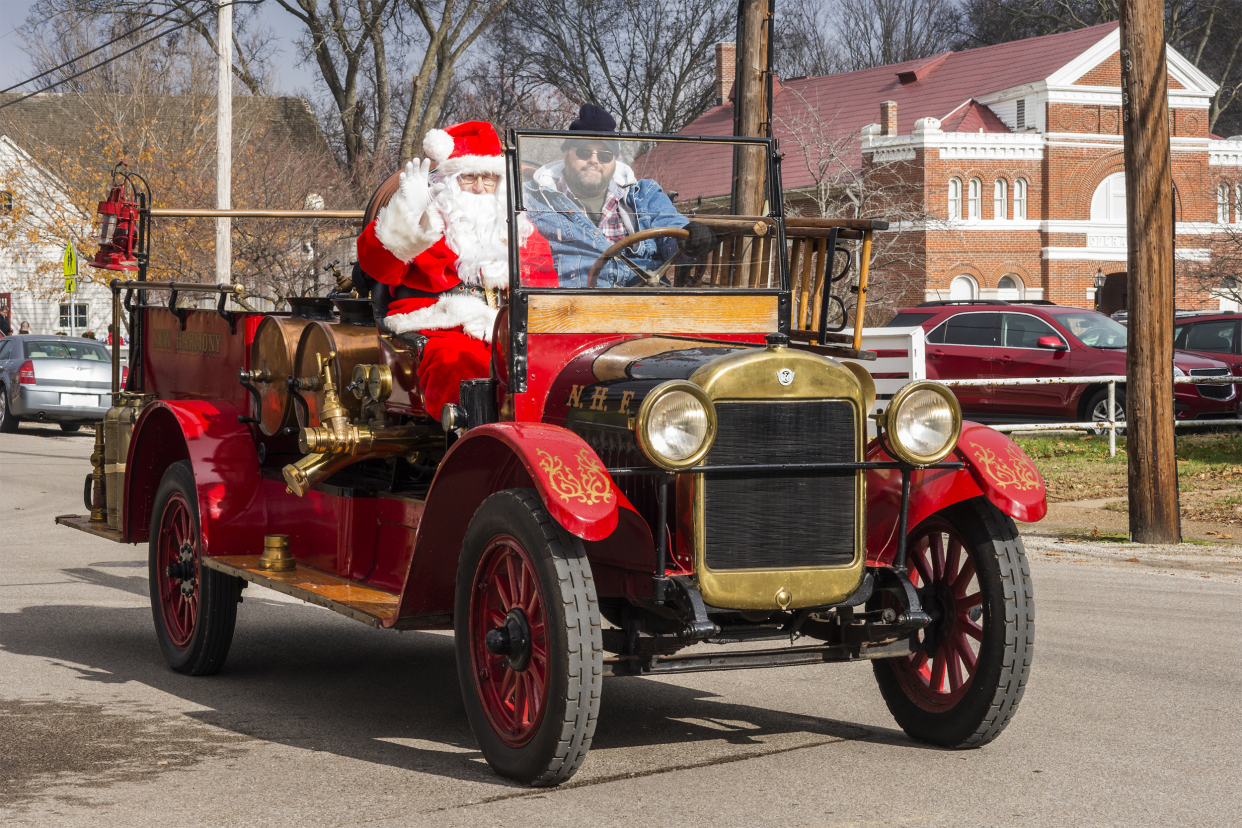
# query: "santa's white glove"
(413, 189)
(408, 225)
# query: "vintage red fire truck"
(665, 476)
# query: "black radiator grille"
(779, 522)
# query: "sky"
(15, 67)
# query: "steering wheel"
(650, 277)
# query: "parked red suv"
(1004, 340)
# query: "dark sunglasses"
(585, 153)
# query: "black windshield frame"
(519, 295)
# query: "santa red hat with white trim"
(469, 147)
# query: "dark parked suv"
(1003, 340)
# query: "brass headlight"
(922, 423)
(676, 425)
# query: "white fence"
(901, 358)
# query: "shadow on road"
(305, 677)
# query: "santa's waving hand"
(441, 245)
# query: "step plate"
(366, 604)
(83, 523)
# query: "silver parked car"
(53, 378)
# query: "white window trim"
(1000, 200)
(1222, 203)
(955, 199)
(974, 285)
(974, 200)
(1019, 199)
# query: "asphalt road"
(1131, 715)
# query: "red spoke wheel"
(527, 632)
(195, 608)
(509, 641)
(963, 685)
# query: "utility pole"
(1154, 514)
(751, 103)
(224, 141)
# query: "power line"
(71, 61)
(108, 60)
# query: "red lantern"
(118, 232)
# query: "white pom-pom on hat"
(438, 145)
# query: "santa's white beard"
(475, 228)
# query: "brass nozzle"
(328, 452)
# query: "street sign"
(71, 264)
(71, 284)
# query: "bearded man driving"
(442, 246)
(589, 200)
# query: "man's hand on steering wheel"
(701, 242)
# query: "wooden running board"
(362, 603)
(83, 523)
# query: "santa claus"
(441, 245)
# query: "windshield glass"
(1092, 329)
(66, 349)
(620, 212)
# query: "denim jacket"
(575, 240)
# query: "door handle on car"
(936, 354)
(1005, 359)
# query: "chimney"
(726, 68)
(888, 118)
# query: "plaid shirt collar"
(616, 218)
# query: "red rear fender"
(231, 507)
(996, 467)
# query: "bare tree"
(1220, 275)
(824, 38)
(155, 111)
(379, 108)
(648, 62)
(845, 184)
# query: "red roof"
(973, 116)
(839, 106)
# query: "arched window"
(1000, 197)
(955, 199)
(975, 199)
(1222, 203)
(1009, 287)
(963, 288)
(1108, 204)
(1019, 199)
(1237, 205)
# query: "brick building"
(1013, 155)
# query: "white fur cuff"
(476, 164)
(470, 312)
(405, 235)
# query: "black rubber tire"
(1100, 400)
(69, 428)
(576, 659)
(8, 420)
(219, 594)
(1004, 658)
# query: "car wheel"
(1097, 409)
(69, 428)
(195, 608)
(963, 685)
(527, 634)
(8, 420)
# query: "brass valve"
(336, 443)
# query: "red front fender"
(562, 468)
(231, 508)
(996, 467)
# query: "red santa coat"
(458, 327)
